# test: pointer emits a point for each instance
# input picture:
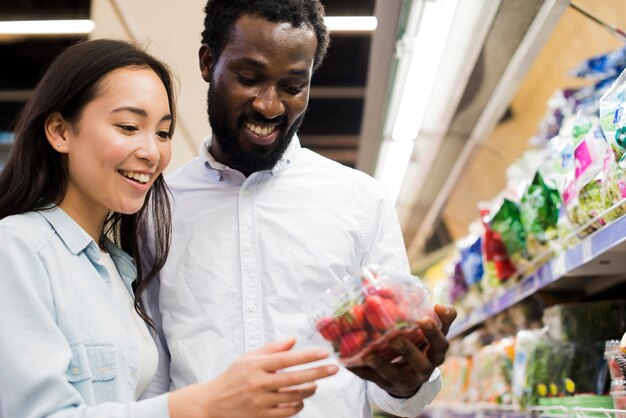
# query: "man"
(262, 226)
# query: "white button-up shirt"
(251, 255)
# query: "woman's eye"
(127, 128)
(164, 134)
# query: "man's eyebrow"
(139, 112)
(259, 65)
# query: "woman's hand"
(251, 387)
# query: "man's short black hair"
(222, 14)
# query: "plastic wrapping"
(539, 212)
(613, 117)
(507, 222)
(366, 311)
(590, 321)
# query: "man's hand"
(404, 378)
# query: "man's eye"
(294, 89)
(246, 80)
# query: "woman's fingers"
(299, 377)
(276, 347)
(282, 360)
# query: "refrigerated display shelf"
(483, 410)
(600, 256)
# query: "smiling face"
(259, 91)
(118, 147)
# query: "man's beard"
(246, 161)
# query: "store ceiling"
(333, 122)
(348, 93)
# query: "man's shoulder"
(338, 172)
(190, 171)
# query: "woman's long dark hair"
(35, 175)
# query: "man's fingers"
(368, 373)
(447, 314)
(437, 343)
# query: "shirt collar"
(77, 240)
(218, 169)
(72, 235)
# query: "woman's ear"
(57, 130)
(205, 57)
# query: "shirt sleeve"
(406, 407)
(35, 353)
(161, 382)
(383, 242)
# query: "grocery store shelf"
(593, 265)
(483, 410)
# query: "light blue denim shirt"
(66, 349)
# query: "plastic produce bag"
(496, 262)
(368, 310)
(613, 117)
(539, 212)
(507, 222)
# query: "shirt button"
(104, 369)
(246, 193)
(75, 370)
(247, 246)
(251, 308)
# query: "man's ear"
(205, 56)
(57, 130)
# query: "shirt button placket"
(250, 269)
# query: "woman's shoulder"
(30, 226)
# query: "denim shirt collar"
(78, 240)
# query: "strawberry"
(382, 313)
(329, 328)
(382, 291)
(353, 320)
(352, 343)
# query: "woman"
(83, 177)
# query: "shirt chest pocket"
(95, 362)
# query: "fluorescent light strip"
(428, 46)
(46, 27)
(428, 31)
(350, 23)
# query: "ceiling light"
(46, 27)
(350, 23)
(420, 51)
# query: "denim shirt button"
(104, 369)
(75, 370)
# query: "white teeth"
(140, 177)
(259, 130)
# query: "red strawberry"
(382, 313)
(353, 320)
(329, 328)
(352, 343)
(384, 292)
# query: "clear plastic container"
(366, 311)
(619, 402)
(611, 353)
